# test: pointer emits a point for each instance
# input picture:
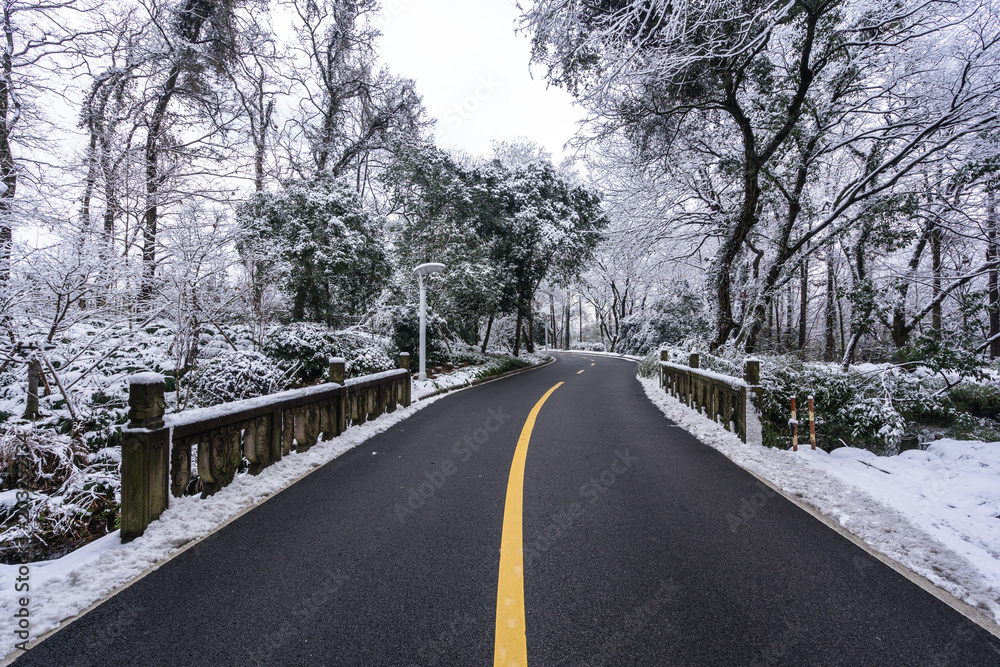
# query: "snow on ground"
(630, 357)
(461, 377)
(62, 588)
(937, 511)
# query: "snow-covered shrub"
(369, 360)
(669, 322)
(71, 496)
(36, 459)
(305, 348)
(234, 376)
(649, 367)
(462, 352)
(500, 364)
(587, 347)
(405, 327)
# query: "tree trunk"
(789, 317)
(936, 281)
(830, 325)
(34, 375)
(530, 334)
(489, 328)
(517, 334)
(8, 168)
(803, 304)
(568, 313)
(993, 288)
(552, 315)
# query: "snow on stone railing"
(199, 450)
(730, 401)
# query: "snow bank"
(935, 512)
(461, 377)
(62, 588)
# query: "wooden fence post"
(145, 456)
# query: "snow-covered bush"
(649, 367)
(36, 459)
(404, 325)
(71, 496)
(369, 360)
(500, 364)
(587, 347)
(305, 348)
(233, 376)
(869, 406)
(462, 352)
(669, 322)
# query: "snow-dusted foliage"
(368, 360)
(316, 239)
(60, 492)
(770, 149)
(233, 376)
(672, 321)
(870, 406)
(305, 348)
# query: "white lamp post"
(421, 271)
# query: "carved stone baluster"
(257, 443)
(287, 433)
(180, 467)
(218, 456)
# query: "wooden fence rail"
(200, 450)
(721, 398)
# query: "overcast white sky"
(472, 71)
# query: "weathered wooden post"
(694, 360)
(145, 456)
(34, 375)
(754, 400)
(404, 362)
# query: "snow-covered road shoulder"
(934, 512)
(60, 589)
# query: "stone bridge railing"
(730, 401)
(200, 450)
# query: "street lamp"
(421, 271)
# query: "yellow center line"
(578, 372)
(511, 649)
(592, 364)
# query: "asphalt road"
(630, 555)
